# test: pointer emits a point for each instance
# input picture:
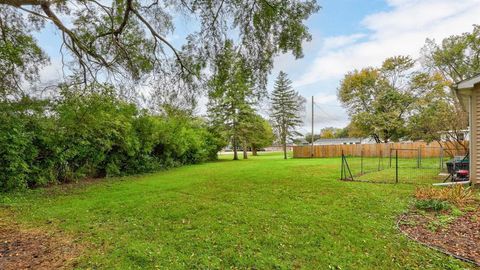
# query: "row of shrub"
(82, 135)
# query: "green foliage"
(436, 114)
(126, 37)
(381, 101)
(329, 133)
(394, 102)
(93, 134)
(263, 135)
(432, 205)
(456, 57)
(308, 137)
(255, 132)
(26, 145)
(231, 96)
(20, 56)
(286, 107)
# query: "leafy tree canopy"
(231, 95)
(126, 39)
(256, 133)
(381, 100)
(456, 57)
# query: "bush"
(432, 205)
(94, 135)
(26, 150)
(457, 195)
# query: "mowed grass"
(260, 213)
(410, 170)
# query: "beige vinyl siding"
(475, 129)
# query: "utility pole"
(311, 151)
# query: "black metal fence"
(404, 166)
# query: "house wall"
(475, 136)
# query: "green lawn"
(409, 170)
(261, 213)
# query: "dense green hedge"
(93, 135)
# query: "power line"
(327, 114)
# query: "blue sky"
(347, 35)
(353, 34)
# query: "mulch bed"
(460, 237)
(21, 249)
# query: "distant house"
(301, 141)
(462, 135)
(368, 140)
(336, 141)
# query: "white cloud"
(400, 31)
(341, 41)
(325, 99)
(52, 72)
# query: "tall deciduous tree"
(263, 137)
(435, 115)
(255, 133)
(329, 132)
(287, 106)
(456, 58)
(380, 100)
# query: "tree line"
(97, 120)
(408, 99)
(233, 99)
(94, 134)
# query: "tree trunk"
(254, 151)
(234, 141)
(245, 156)
(285, 150)
(235, 154)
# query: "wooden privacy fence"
(406, 150)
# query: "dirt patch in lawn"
(458, 235)
(28, 249)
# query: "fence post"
(349, 171)
(379, 160)
(441, 157)
(390, 166)
(418, 157)
(341, 170)
(361, 162)
(396, 166)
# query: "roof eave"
(468, 83)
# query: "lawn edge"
(397, 224)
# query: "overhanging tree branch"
(75, 40)
(156, 35)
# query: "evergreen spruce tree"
(286, 108)
(231, 97)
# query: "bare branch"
(217, 13)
